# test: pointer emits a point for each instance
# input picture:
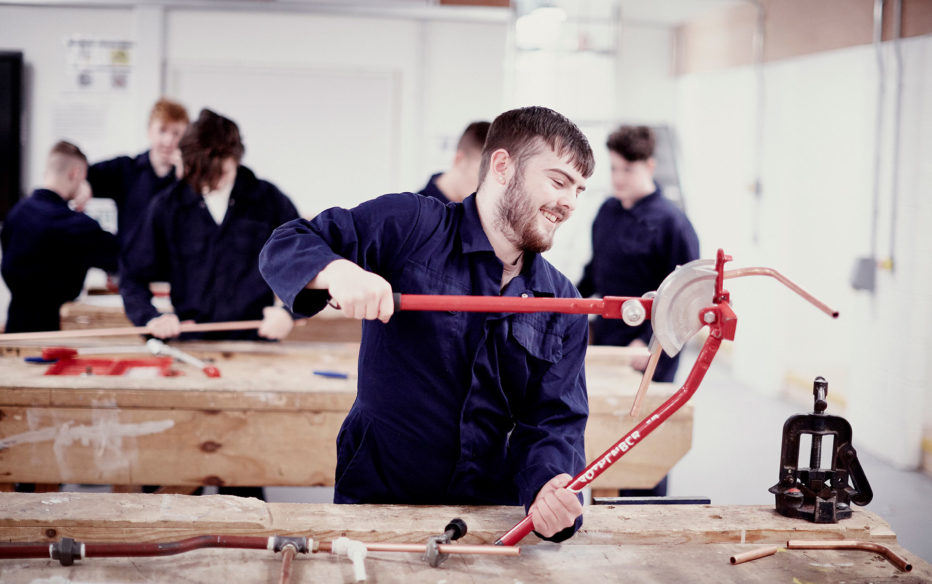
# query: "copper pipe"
(754, 554)
(847, 544)
(170, 548)
(451, 548)
(741, 272)
(287, 555)
(24, 550)
(645, 380)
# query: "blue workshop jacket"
(47, 250)
(212, 269)
(452, 407)
(633, 250)
(132, 184)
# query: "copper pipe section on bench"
(754, 554)
(288, 554)
(847, 544)
(741, 272)
(119, 550)
(448, 548)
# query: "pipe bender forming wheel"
(690, 298)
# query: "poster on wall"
(98, 65)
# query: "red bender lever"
(608, 307)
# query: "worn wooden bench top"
(672, 543)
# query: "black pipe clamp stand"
(817, 494)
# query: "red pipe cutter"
(690, 298)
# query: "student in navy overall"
(48, 247)
(638, 238)
(461, 179)
(203, 236)
(132, 182)
(455, 407)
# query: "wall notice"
(98, 65)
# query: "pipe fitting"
(355, 551)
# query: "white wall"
(53, 110)
(333, 109)
(812, 221)
(637, 86)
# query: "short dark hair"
(633, 143)
(473, 138)
(520, 131)
(69, 150)
(207, 142)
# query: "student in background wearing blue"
(132, 182)
(462, 179)
(203, 235)
(638, 238)
(48, 247)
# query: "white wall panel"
(813, 220)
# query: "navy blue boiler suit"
(452, 407)
(47, 250)
(212, 269)
(633, 250)
(432, 190)
(132, 184)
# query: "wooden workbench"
(268, 420)
(674, 543)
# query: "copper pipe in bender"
(754, 554)
(645, 379)
(450, 548)
(847, 544)
(741, 272)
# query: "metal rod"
(741, 272)
(754, 554)
(443, 548)
(847, 544)
(192, 327)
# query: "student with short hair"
(48, 247)
(455, 407)
(462, 178)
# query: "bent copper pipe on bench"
(847, 544)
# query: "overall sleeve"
(586, 285)
(684, 245)
(144, 260)
(100, 248)
(107, 178)
(370, 235)
(548, 438)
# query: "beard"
(517, 218)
